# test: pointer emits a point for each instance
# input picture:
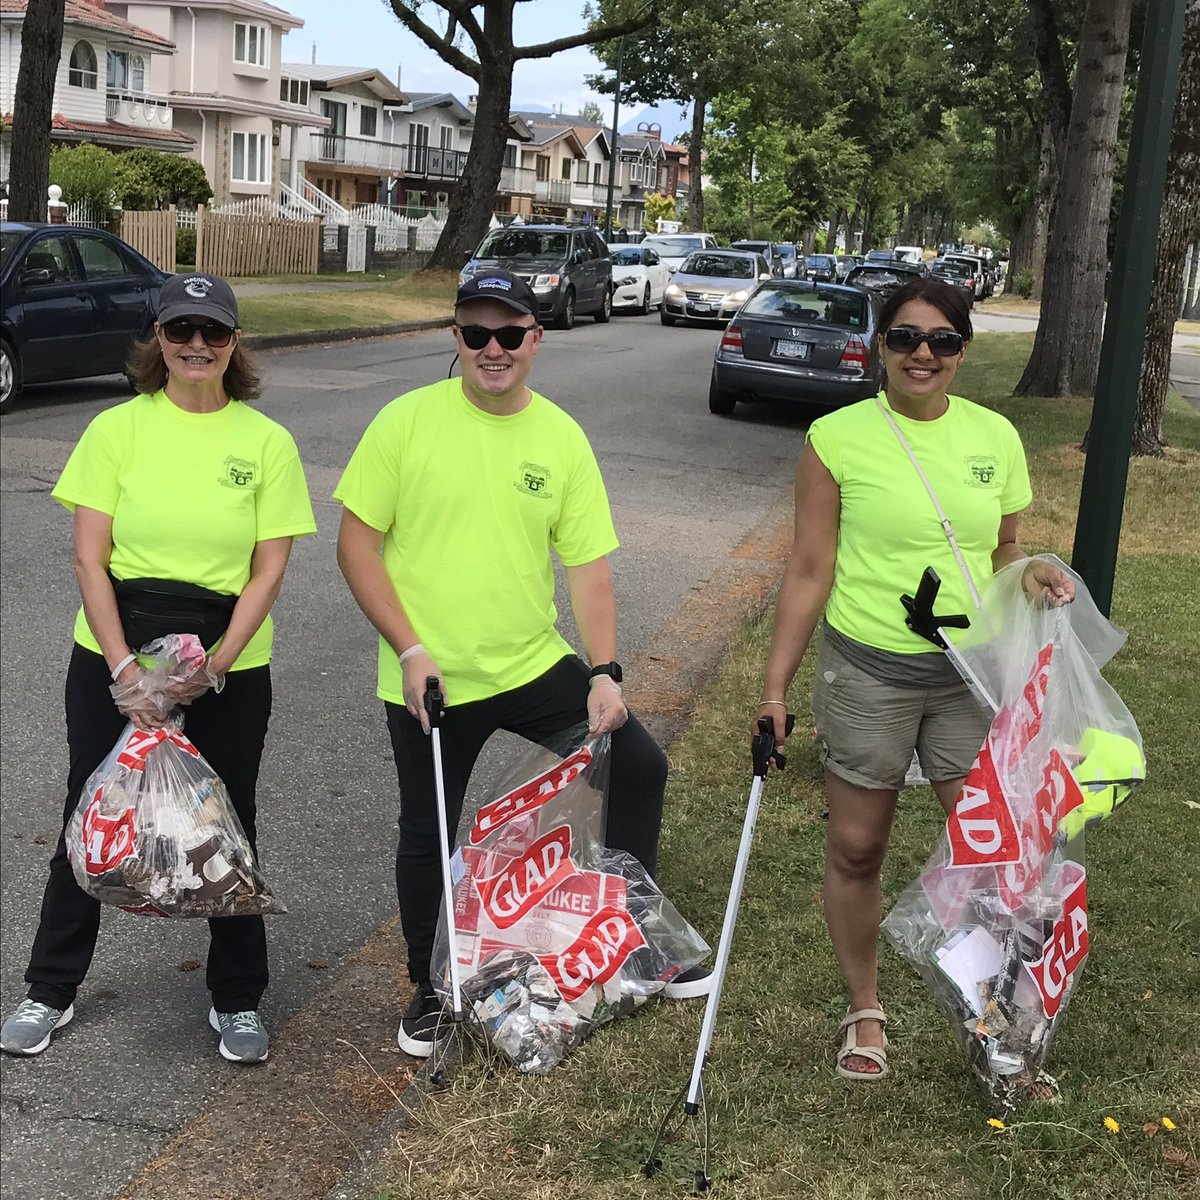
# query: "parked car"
(822, 268)
(879, 256)
(769, 251)
(711, 285)
(73, 301)
(568, 267)
(639, 277)
(909, 254)
(845, 264)
(673, 248)
(958, 273)
(792, 262)
(882, 278)
(984, 280)
(808, 343)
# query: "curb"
(315, 337)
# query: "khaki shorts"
(867, 730)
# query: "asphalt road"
(139, 1062)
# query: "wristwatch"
(611, 669)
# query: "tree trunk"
(1020, 246)
(1047, 181)
(868, 228)
(696, 164)
(473, 201)
(33, 102)
(1180, 224)
(831, 236)
(1066, 349)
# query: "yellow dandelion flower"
(1111, 1125)
(995, 1123)
(1167, 1123)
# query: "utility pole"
(613, 152)
(1102, 498)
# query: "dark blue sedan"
(73, 301)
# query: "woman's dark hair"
(148, 371)
(946, 298)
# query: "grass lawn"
(421, 296)
(782, 1124)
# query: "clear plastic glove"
(605, 706)
(169, 671)
(184, 688)
(1044, 581)
(139, 700)
(417, 669)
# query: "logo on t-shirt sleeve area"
(534, 480)
(983, 470)
(239, 473)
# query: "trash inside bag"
(556, 934)
(997, 922)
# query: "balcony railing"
(420, 162)
(138, 108)
(556, 191)
(516, 181)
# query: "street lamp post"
(613, 153)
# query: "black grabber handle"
(921, 618)
(762, 745)
(435, 702)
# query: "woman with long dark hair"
(912, 478)
(186, 501)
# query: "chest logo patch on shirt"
(534, 480)
(239, 473)
(983, 470)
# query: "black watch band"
(611, 669)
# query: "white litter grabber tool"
(691, 1096)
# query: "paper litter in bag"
(557, 935)
(997, 922)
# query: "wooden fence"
(152, 234)
(235, 244)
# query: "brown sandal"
(850, 1046)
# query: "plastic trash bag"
(154, 831)
(997, 922)
(556, 934)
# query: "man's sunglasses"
(943, 342)
(182, 331)
(509, 337)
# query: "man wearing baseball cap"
(453, 501)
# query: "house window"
(447, 137)
(294, 91)
(543, 167)
(126, 72)
(368, 119)
(566, 172)
(510, 155)
(251, 158)
(581, 171)
(596, 170)
(82, 71)
(250, 43)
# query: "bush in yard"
(1022, 283)
(659, 208)
(185, 246)
(85, 174)
(152, 179)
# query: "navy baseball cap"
(198, 295)
(502, 286)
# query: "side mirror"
(761, 277)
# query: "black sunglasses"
(509, 337)
(182, 331)
(943, 342)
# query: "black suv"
(567, 266)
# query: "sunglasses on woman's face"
(509, 337)
(943, 342)
(182, 331)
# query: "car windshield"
(786, 251)
(822, 306)
(675, 246)
(818, 260)
(522, 243)
(718, 266)
(8, 239)
(626, 256)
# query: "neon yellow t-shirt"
(189, 495)
(889, 531)
(471, 504)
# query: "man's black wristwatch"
(611, 669)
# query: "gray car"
(712, 285)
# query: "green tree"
(85, 173)
(591, 113)
(659, 208)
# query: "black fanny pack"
(155, 608)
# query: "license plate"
(785, 349)
(699, 307)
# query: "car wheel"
(722, 403)
(10, 378)
(566, 318)
(604, 313)
(643, 308)
(663, 317)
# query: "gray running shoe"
(29, 1029)
(243, 1036)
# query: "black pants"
(229, 730)
(537, 711)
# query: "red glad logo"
(596, 955)
(107, 841)
(508, 896)
(981, 827)
(530, 796)
(140, 742)
(1064, 951)
(1017, 724)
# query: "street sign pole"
(1102, 499)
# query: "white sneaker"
(29, 1029)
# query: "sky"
(366, 33)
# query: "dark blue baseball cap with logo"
(198, 295)
(502, 286)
